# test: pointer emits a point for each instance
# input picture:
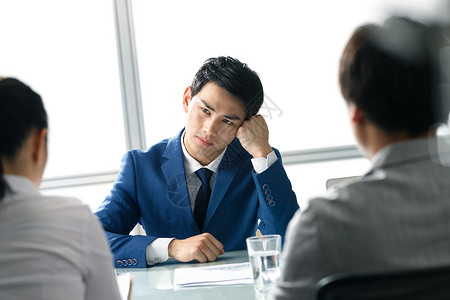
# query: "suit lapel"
(175, 176)
(229, 166)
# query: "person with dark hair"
(208, 188)
(52, 247)
(397, 216)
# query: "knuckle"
(201, 245)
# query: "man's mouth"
(204, 141)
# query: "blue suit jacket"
(151, 189)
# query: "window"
(294, 46)
(66, 51)
(309, 180)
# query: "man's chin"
(210, 152)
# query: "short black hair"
(21, 111)
(235, 77)
(388, 72)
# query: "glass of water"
(264, 253)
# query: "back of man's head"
(235, 77)
(388, 73)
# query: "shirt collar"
(191, 164)
(20, 184)
(435, 148)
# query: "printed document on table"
(240, 273)
(125, 282)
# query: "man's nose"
(211, 126)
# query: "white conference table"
(157, 282)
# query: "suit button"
(124, 262)
(271, 203)
(130, 262)
(265, 186)
(119, 263)
(134, 261)
(267, 192)
(269, 197)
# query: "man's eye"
(228, 122)
(206, 111)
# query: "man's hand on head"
(202, 248)
(254, 136)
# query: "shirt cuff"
(260, 164)
(157, 251)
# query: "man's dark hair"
(387, 71)
(235, 77)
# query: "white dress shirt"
(157, 251)
(51, 247)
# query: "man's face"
(213, 117)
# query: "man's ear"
(39, 151)
(186, 98)
(356, 114)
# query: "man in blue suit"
(188, 216)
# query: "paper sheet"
(240, 273)
(124, 282)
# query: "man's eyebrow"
(234, 118)
(231, 117)
(207, 105)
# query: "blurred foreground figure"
(398, 215)
(51, 247)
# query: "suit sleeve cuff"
(260, 164)
(157, 251)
